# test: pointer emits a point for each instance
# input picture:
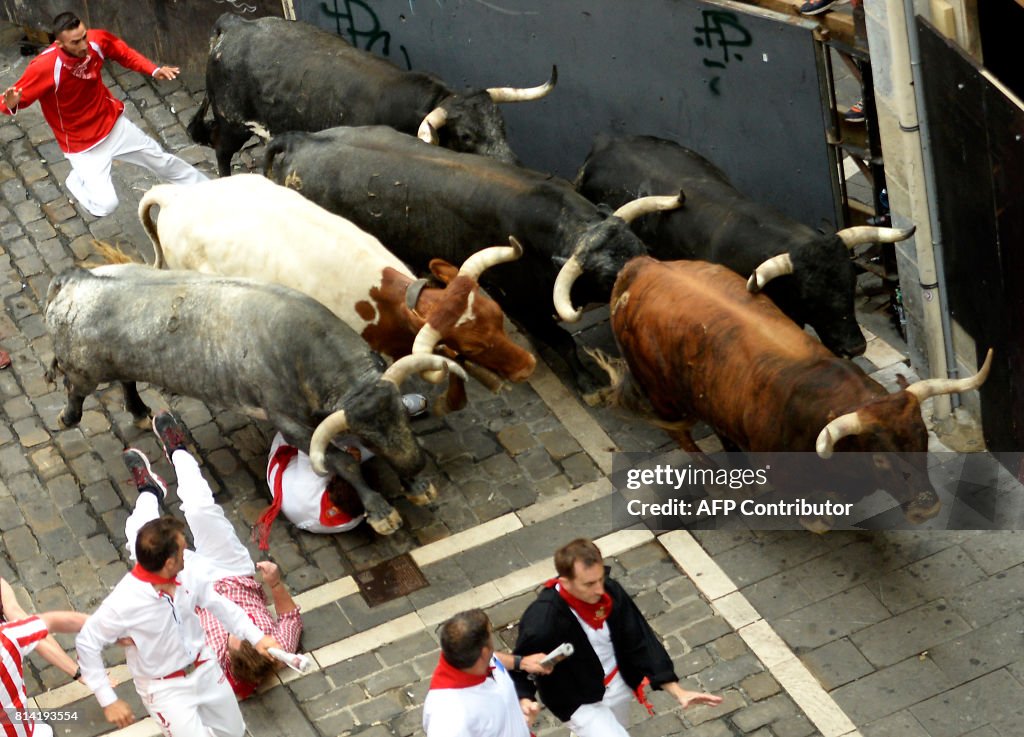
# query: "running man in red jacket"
(86, 118)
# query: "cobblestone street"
(915, 633)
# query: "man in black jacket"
(616, 653)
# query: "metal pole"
(928, 170)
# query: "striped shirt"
(248, 593)
(17, 639)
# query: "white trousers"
(90, 182)
(214, 537)
(608, 717)
(197, 705)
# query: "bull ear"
(443, 270)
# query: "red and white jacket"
(75, 102)
(17, 640)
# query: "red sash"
(593, 614)
(282, 457)
(447, 675)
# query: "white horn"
(522, 94)
(839, 428)
(870, 234)
(774, 267)
(426, 339)
(332, 426)
(646, 205)
(567, 276)
(480, 261)
(435, 119)
(405, 366)
(930, 387)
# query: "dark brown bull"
(699, 346)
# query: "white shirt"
(600, 640)
(167, 632)
(303, 489)
(488, 710)
(17, 640)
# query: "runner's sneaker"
(143, 476)
(856, 112)
(415, 404)
(813, 7)
(170, 432)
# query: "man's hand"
(687, 699)
(530, 710)
(271, 573)
(12, 96)
(267, 642)
(119, 713)
(166, 73)
(531, 664)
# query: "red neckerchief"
(592, 614)
(242, 689)
(447, 675)
(331, 515)
(282, 457)
(143, 575)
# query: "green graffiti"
(349, 20)
(720, 32)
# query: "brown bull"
(699, 346)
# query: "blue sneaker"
(415, 404)
(813, 7)
(856, 112)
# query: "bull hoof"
(387, 525)
(597, 398)
(63, 423)
(423, 497)
(817, 525)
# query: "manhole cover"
(390, 579)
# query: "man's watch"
(517, 661)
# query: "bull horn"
(567, 276)
(646, 205)
(930, 387)
(839, 428)
(774, 267)
(426, 340)
(405, 366)
(522, 94)
(435, 119)
(480, 261)
(332, 426)
(870, 234)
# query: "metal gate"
(978, 148)
(741, 85)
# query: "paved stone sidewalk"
(913, 633)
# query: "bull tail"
(111, 254)
(278, 144)
(151, 198)
(198, 129)
(50, 375)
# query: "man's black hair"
(66, 21)
(157, 541)
(464, 636)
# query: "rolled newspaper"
(296, 661)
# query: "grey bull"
(266, 350)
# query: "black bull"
(816, 279)
(267, 350)
(427, 202)
(270, 75)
